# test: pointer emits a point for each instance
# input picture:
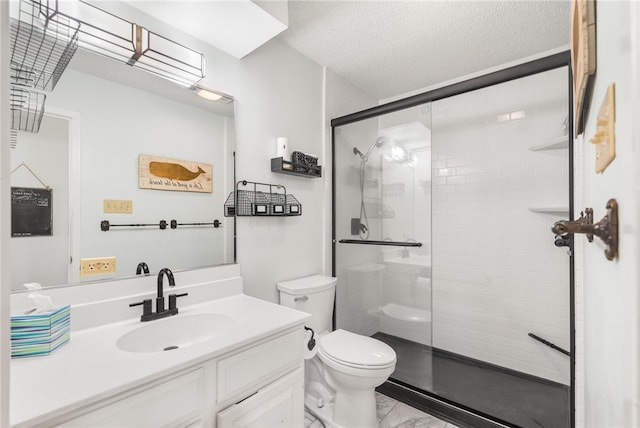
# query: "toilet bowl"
(340, 378)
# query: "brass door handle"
(606, 229)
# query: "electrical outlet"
(97, 265)
(117, 206)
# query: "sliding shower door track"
(439, 407)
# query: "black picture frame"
(31, 212)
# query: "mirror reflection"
(101, 117)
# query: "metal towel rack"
(106, 225)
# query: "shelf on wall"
(557, 143)
(285, 167)
(263, 199)
(550, 210)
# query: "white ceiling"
(389, 48)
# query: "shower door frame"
(424, 399)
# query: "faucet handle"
(173, 298)
(146, 306)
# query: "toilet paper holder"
(312, 342)
(606, 229)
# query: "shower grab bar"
(549, 344)
(390, 243)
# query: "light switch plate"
(605, 136)
(117, 206)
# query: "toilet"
(343, 369)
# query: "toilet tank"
(313, 295)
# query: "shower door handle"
(606, 229)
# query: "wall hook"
(606, 229)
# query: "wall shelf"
(265, 200)
(557, 143)
(282, 166)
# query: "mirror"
(98, 120)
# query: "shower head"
(365, 157)
(380, 141)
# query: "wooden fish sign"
(173, 174)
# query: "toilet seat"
(356, 351)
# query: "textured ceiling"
(389, 48)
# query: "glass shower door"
(383, 229)
(443, 248)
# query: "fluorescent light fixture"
(208, 95)
(514, 115)
(211, 95)
(106, 34)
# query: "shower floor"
(519, 399)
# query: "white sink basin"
(175, 332)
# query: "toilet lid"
(356, 350)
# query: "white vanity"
(247, 372)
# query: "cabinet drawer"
(280, 404)
(248, 370)
(176, 402)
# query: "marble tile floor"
(392, 414)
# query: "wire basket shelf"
(263, 200)
(26, 109)
(42, 44)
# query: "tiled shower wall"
(496, 273)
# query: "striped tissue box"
(39, 334)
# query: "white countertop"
(91, 367)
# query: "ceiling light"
(210, 94)
(514, 115)
(401, 155)
(106, 34)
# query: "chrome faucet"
(161, 312)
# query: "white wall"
(611, 295)
(496, 273)
(43, 259)
(279, 93)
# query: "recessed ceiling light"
(514, 115)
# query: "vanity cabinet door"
(280, 404)
(178, 402)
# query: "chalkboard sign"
(31, 213)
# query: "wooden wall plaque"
(173, 174)
(583, 56)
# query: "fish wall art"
(173, 174)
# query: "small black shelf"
(285, 167)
